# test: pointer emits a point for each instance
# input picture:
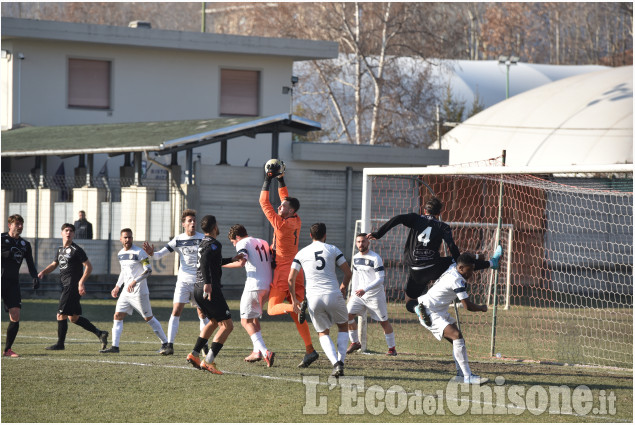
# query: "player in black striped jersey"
(421, 252)
(14, 250)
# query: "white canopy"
(584, 119)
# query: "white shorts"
(184, 293)
(128, 303)
(440, 320)
(251, 303)
(375, 305)
(325, 310)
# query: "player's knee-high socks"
(460, 355)
(329, 348)
(158, 330)
(12, 332)
(390, 339)
(213, 352)
(342, 340)
(117, 329)
(173, 328)
(303, 330)
(198, 346)
(353, 334)
(86, 324)
(62, 329)
(259, 343)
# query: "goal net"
(565, 287)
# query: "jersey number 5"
(424, 237)
(319, 258)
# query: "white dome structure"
(585, 119)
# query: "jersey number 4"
(424, 237)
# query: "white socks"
(117, 328)
(460, 356)
(209, 358)
(329, 348)
(342, 340)
(173, 328)
(202, 323)
(390, 339)
(353, 335)
(259, 343)
(158, 330)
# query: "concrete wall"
(147, 84)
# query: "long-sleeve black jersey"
(424, 239)
(210, 261)
(13, 252)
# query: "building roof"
(160, 137)
(167, 39)
(584, 119)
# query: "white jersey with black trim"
(258, 265)
(448, 287)
(187, 247)
(134, 263)
(318, 261)
(368, 273)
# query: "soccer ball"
(274, 167)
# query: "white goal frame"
(370, 173)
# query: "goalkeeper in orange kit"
(286, 225)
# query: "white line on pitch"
(299, 381)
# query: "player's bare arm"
(115, 292)
(347, 277)
(48, 269)
(88, 269)
(293, 274)
(470, 306)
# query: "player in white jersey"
(257, 263)
(436, 318)
(186, 245)
(132, 289)
(325, 297)
(368, 294)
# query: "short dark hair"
(293, 203)
(237, 230)
(187, 213)
(466, 259)
(360, 234)
(82, 211)
(14, 218)
(318, 230)
(207, 223)
(65, 225)
(433, 206)
(126, 230)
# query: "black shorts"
(11, 295)
(216, 309)
(69, 301)
(418, 280)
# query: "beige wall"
(147, 84)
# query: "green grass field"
(138, 385)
